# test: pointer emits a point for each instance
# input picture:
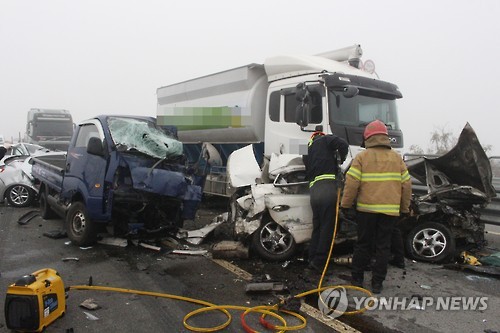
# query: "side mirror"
(302, 111)
(350, 91)
(302, 115)
(95, 147)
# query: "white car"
(16, 182)
(23, 149)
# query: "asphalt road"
(24, 249)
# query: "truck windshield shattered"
(142, 136)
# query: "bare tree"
(442, 140)
(416, 149)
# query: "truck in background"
(120, 172)
(276, 106)
(50, 128)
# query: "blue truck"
(121, 174)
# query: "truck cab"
(339, 99)
(51, 128)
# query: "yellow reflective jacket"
(378, 180)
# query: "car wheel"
(430, 242)
(80, 229)
(45, 211)
(273, 242)
(20, 196)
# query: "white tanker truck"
(275, 107)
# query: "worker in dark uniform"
(322, 169)
(379, 182)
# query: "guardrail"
(491, 213)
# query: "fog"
(109, 57)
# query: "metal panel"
(489, 215)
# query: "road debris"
(342, 260)
(230, 249)
(70, 259)
(115, 241)
(26, 218)
(469, 259)
(90, 316)
(490, 270)
(149, 246)
(197, 236)
(190, 252)
(89, 304)
(259, 287)
(55, 234)
(491, 260)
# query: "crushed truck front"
(126, 173)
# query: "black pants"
(397, 246)
(374, 232)
(323, 204)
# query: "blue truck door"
(85, 172)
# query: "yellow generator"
(35, 301)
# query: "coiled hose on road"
(266, 310)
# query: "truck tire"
(273, 242)
(20, 196)
(430, 242)
(45, 211)
(80, 229)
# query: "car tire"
(273, 242)
(80, 229)
(20, 196)
(430, 242)
(45, 211)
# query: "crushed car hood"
(464, 173)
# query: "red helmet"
(375, 127)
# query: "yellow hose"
(265, 310)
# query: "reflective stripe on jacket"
(378, 179)
(321, 177)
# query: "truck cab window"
(85, 133)
(274, 106)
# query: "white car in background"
(23, 149)
(16, 182)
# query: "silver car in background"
(16, 182)
(23, 149)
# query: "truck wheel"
(45, 211)
(273, 242)
(20, 196)
(80, 229)
(430, 242)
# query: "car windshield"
(131, 134)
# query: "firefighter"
(379, 182)
(322, 167)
